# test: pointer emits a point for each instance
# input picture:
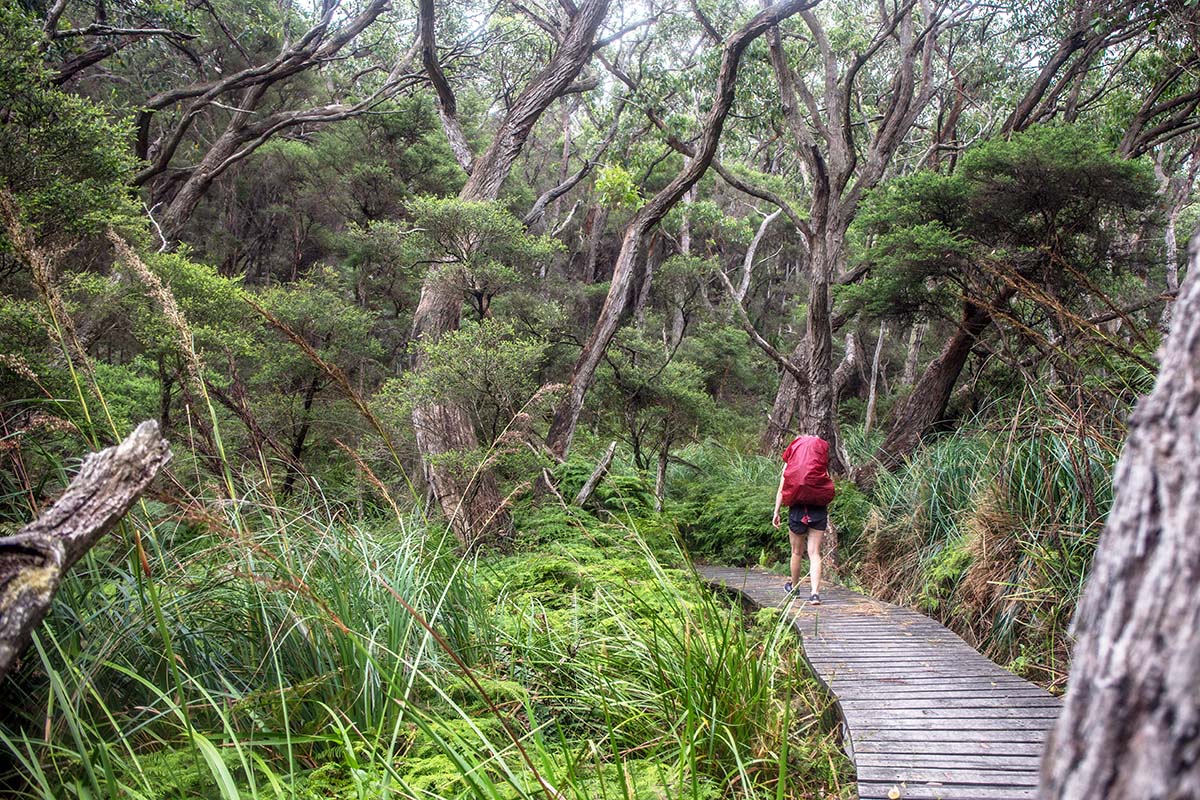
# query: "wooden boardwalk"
(926, 716)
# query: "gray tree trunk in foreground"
(34, 561)
(1130, 727)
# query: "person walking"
(807, 490)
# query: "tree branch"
(34, 561)
(447, 106)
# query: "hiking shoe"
(814, 599)
(789, 589)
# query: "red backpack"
(806, 477)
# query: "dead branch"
(34, 561)
(589, 486)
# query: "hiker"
(807, 490)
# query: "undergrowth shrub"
(268, 653)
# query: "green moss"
(943, 572)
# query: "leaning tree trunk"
(927, 402)
(1130, 726)
(790, 401)
(34, 561)
(471, 500)
(566, 415)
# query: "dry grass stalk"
(160, 292)
(993, 549)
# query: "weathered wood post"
(34, 561)
(1130, 727)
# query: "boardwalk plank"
(924, 712)
(948, 777)
(982, 762)
(879, 791)
(911, 749)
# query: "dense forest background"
(390, 277)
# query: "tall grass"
(993, 531)
(295, 669)
(228, 644)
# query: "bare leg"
(814, 559)
(797, 540)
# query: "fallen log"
(34, 561)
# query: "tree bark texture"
(850, 379)
(820, 419)
(471, 501)
(916, 337)
(1130, 725)
(34, 561)
(447, 105)
(566, 415)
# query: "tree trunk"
(34, 561)
(849, 377)
(873, 389)
(1130, 726)
(310, 395)
(820, 419)
(471, 501)
(748, 262)
(1171, 263)
(566, 415)
(165, 381)
(593, 230)
(678, 321)
(790, 402)
(653, 256)
(660, 475)
(927, 402)
(916, 337)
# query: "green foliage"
(724, 501)
(652, 396)
(478, 245)
(616, 187)
(488, 367)
(1041, 206)
(623, 490)
(60, 155)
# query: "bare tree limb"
(744, 320)
(447, 106)
(589, 486)
(552, 194)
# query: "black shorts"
(801, 518)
